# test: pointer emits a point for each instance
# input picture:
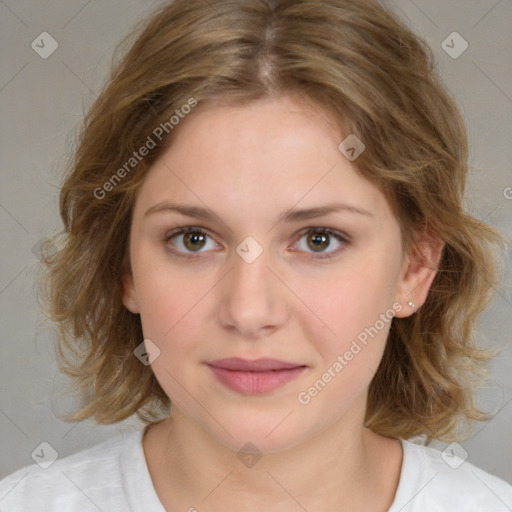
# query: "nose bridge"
(250, 275)
(250, 260)
(250, 278)
(251, 297)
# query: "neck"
(332, 471)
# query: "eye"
(190, 240)
(324, 242)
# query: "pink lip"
(255, 377)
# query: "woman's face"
(272, 310)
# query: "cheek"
(350, 346)
(174, 311)
(351, 302)
(169, 296)
(355, 309)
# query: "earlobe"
(129, 294)
(418, 273)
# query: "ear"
(418, 271)
(129, 294)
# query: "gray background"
(43, 100)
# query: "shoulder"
(88, 480)
(442, 481)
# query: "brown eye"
(190, 240)
(326, 243)
(318, 241)
(194, 241)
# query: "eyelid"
(342, 237)
(323, 229)
(183, 230)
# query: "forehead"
(255, 133)
(262, 156)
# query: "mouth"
(255, 377)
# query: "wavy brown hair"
(361, 65)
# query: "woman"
(264, 226)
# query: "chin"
(259, 433)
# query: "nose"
(253, 302)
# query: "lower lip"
(256, 383)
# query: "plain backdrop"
(42, 102)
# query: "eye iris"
(194, 241)
(318, 241)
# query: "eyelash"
(341, 237)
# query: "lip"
(254, 377)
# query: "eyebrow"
(293, 215)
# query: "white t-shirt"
(113, 477)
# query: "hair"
(351, 59)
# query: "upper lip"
(256, 365)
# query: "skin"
(249, 165)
